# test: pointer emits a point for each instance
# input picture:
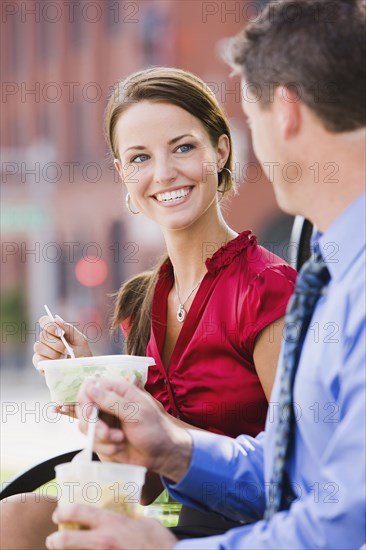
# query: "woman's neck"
(189, 249)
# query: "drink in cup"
(116, 487)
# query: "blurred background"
(67, 238)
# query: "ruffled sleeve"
(227, 254)
(267, 299)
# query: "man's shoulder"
(347, 301)
(353, 283)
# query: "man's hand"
(132, 428)
(107, 529)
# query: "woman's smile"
(173, 196)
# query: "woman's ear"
(223, 150)
(118, 167)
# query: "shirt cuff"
(190, 489)
(202, 543)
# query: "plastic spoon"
(65, 342)
(86, 455)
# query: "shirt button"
(165, 381)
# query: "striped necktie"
(312, 279)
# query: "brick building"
(61, 201)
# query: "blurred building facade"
(67, 239)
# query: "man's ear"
(287, 111)
(118, 167)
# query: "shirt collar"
(344, 239)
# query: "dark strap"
(31, 479)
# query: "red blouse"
(211, 381)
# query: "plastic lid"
(101, 361)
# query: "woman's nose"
(165, 171)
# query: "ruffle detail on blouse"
(223, 256)
(226, 254)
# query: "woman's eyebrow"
(178, 138)
(142, 147)
(138, 147)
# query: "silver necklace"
(181, 312)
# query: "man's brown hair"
(316, 48)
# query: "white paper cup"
(116, 487)
(65, 376)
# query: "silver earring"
(128, 204)
(227, 170)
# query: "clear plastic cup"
(65, 376)
(116, 487)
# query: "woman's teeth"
(173, 195)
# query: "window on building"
(78, 132)
(47, 38)
(113, 16)
(153, 28)
(16, 44)
(77, 25)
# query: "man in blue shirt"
(303, 71)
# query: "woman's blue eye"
(139, 158)
(185, 148)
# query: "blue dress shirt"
(327, 468)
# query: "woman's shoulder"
(249, 260)
(263, 263)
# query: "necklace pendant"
(181, 313)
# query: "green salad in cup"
(65, 376)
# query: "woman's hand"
(50, 345)
(106, 529)
(142, 434)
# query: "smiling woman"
(171, 145)
(173, 87)
(209, 313)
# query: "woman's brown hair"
(187, 91)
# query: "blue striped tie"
(312, 279)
